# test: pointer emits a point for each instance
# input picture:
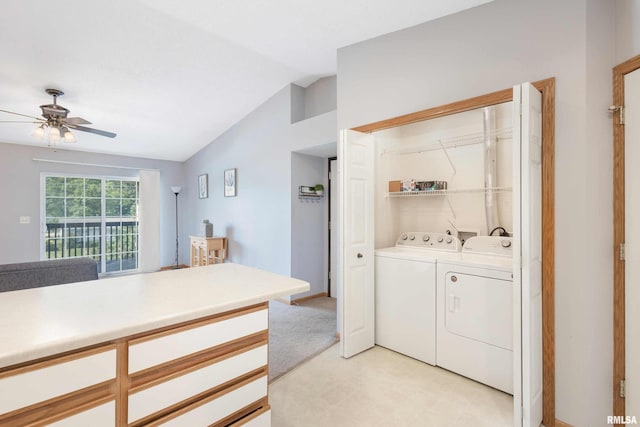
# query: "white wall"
(490, 48)
(320, 97)
(309, 217)
(627, 29)
(20, 192)
(257, 221)
(316, 135)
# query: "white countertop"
(40, 322)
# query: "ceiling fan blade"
(96, 131)
(19, 121)
(23, 115)
(76, 121)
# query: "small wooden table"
(207, 250)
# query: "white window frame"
(103, 218)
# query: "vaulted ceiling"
(170, 76)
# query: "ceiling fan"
(56, 122)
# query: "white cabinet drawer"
(33, 386)
(223, 406)
(151, 352)
(154, 399)
(100, 416)
(262, 420)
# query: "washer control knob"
(505, 243)
(449, 240)
(404, 237)
(412, 237)
(426, 238)
(440, 239)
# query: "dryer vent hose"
(490, 165)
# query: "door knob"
(359, 255)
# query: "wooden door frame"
(619, 72)
(547, 89)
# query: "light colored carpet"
(299, 332)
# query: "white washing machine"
(475, 312)
(405, 293)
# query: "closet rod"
(452, 142)
(64, 162)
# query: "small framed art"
(230, 182)
(203, 186)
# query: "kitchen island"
(180, 347)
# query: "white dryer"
(405, 293)
(475, 312)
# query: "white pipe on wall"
(490, 159)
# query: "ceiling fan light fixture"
(69, 137)
(54, 123)
(38, 132)
(54, 134)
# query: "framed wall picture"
(203, 186)
(230, 182)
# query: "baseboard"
(297, 300)
(562, 424)
(338, 336)
(173, 267)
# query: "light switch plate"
(25, 220)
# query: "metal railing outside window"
(92, 217)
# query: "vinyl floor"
(380, 387)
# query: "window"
(94, 217)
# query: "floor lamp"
(176, 191)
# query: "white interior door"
(356, 166)
(632, 240)
(333, 260)
(527, 255)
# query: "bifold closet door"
(356, 162)
(527, 255)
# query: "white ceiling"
(170, 76)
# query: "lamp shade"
(176, 189)
(69, 137)
(54, 134)
(38, 132)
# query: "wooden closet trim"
(547, 89)
(618, 234)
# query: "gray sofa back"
(35, 274)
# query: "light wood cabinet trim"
(198, 400)
(245, 414)
(57, 359)
(119, 388)
(58, 408)
(147, 378)
(122, 382)
(191, 324)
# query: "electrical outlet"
(25, 220)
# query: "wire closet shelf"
(431, 193)
(451, 142)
